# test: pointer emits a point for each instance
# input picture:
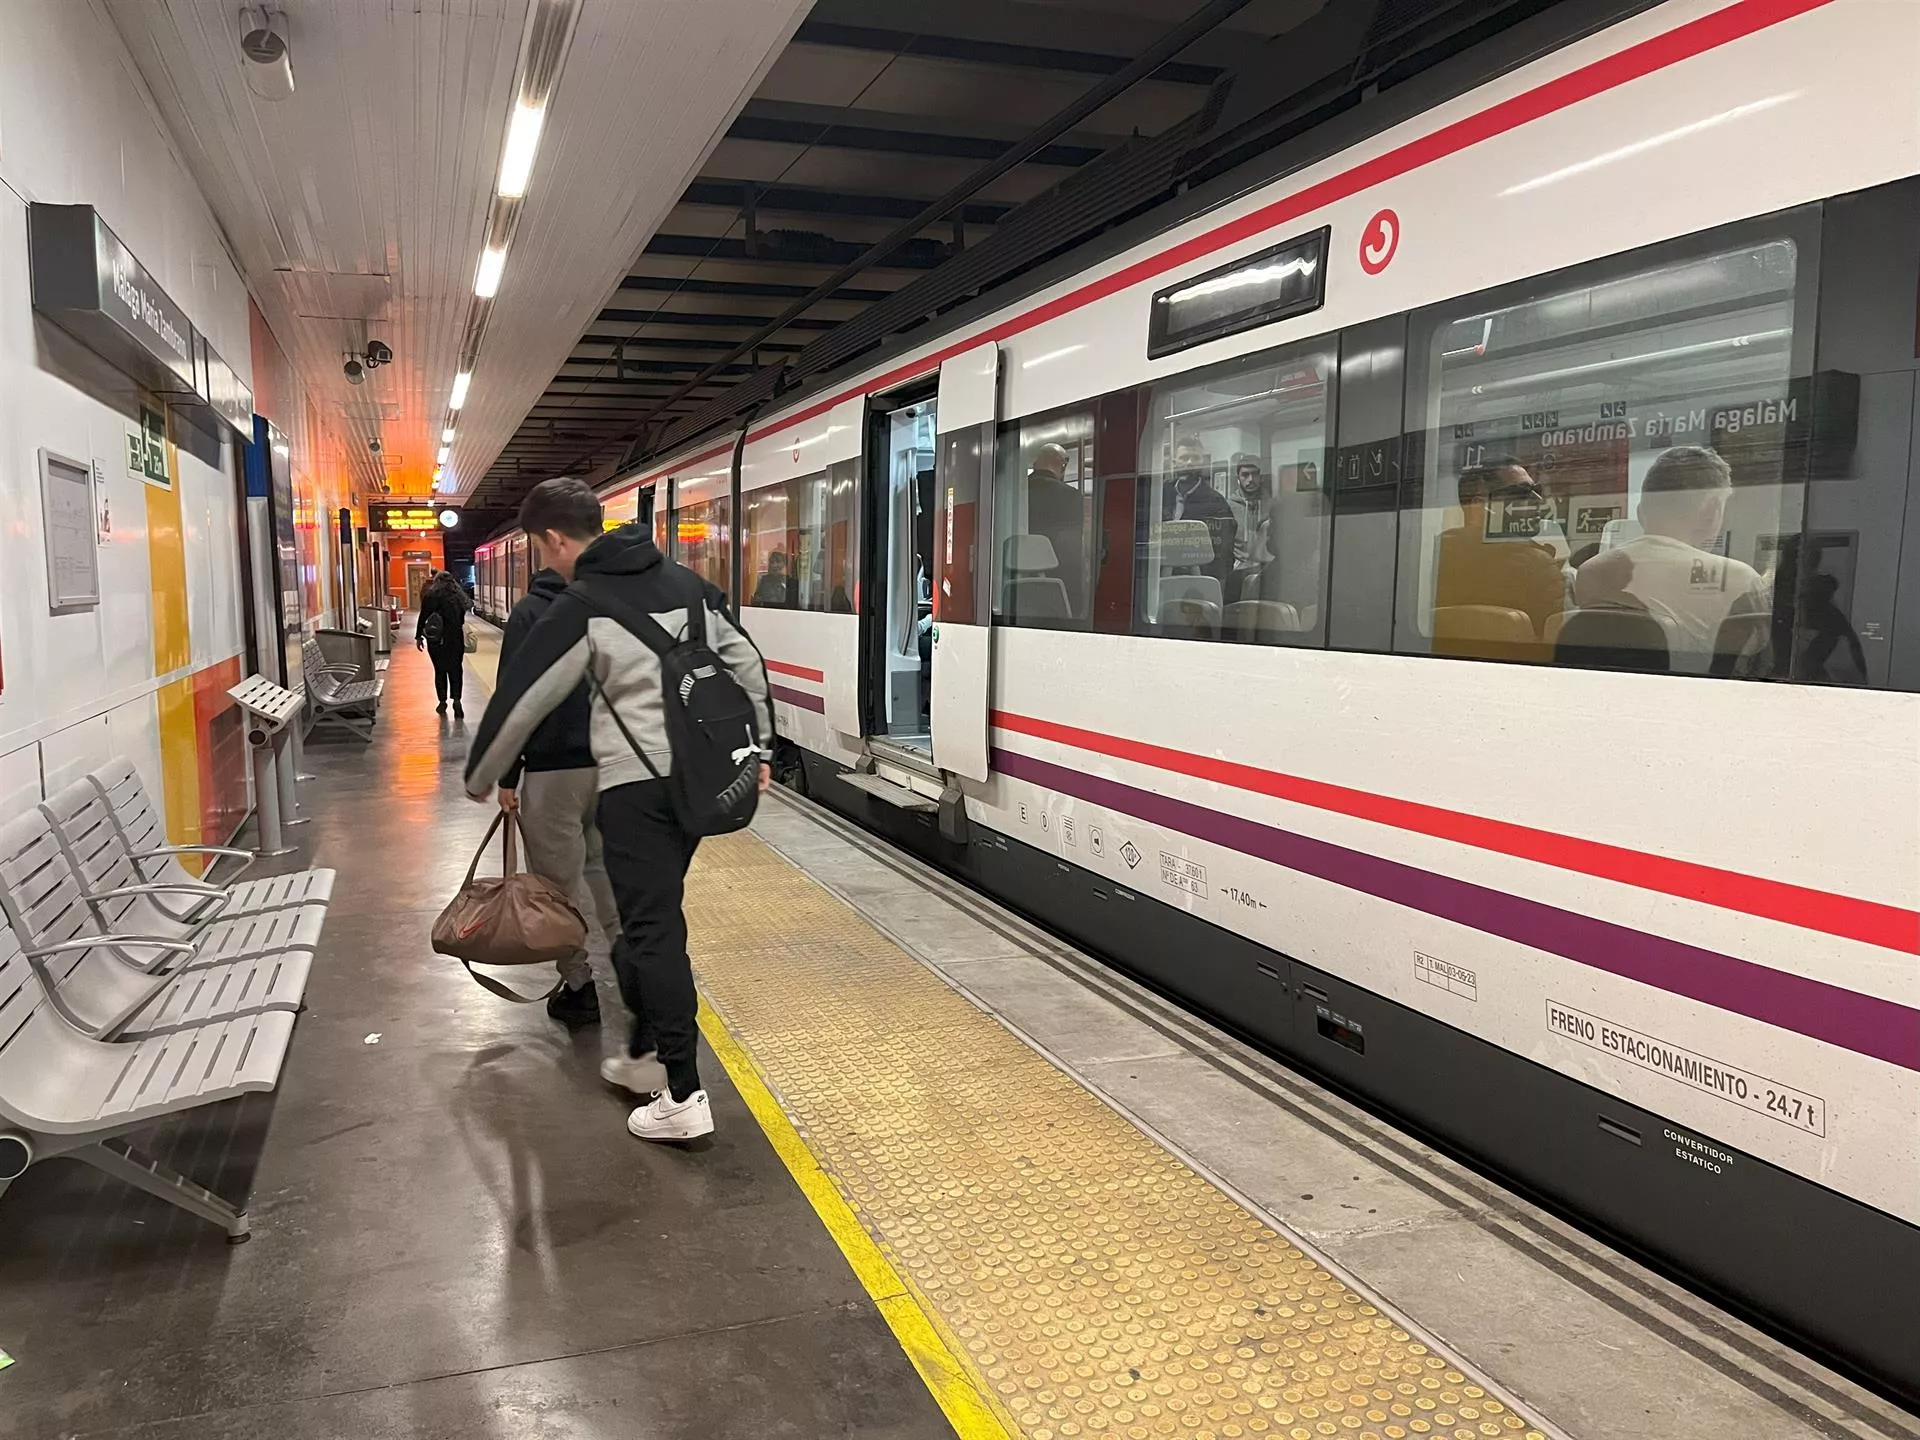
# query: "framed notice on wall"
(68, 522)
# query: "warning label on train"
(1183, 874)
(1742, 1087)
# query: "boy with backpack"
(681, 729)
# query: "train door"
(962, 654)
(899, 580)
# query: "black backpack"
(711, 727)
(433, 628)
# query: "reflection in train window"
(1233, 523)
(797, 542)
(1606, 474)
(704, 534)
(1042, 509)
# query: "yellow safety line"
(960, 1393)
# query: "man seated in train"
(1191, 496)
(1497, 571)
(1678, 574)
(774, 588)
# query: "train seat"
(1030, 591)
(1611, 637)
(1491, 631)
(1262, 620)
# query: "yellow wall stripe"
(962, 1397)
(173, 650)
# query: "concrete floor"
(454, 1235)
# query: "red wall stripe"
(1842, 915)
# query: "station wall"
(144, 673)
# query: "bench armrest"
(94, 942)
(219, 852)
(50, 987)
(339, 672)
(219, 898)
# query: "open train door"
(963, 560)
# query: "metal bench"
(64, 1093)
(135, 825)
(107, 974)
(336, 693)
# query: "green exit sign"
(147, 448)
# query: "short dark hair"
(564, 506)
(1686, 467)
(1479, 481)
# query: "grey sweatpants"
(563, 844)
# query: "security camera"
(374, 445)
(263, 41)
(378, 354)
(355, 372)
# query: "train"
(1448, 612)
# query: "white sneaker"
(642, 1074)
(665, 1118)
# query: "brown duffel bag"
(518, 919)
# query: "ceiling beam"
(727, 194)
(838, 127)
(787, 247)
(1087, 39)
(669, 317)
(751, 289)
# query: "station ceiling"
(875, 109)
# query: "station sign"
(225, 393)
(406, 519)
(89, 284)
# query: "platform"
(965, 1181)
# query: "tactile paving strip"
(1098, 1285)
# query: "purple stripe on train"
(1862, 1023)
(799, 698)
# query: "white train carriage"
(1441, 613)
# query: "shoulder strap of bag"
(635, 620)
(493, 986)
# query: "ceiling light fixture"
(446, 436)
(486, 280)
(441, 458)
(460, 384)
(523, 143)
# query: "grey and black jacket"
(571, 640)
(560, 741)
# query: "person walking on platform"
(646, 847)
(553, 786)
(442, 633)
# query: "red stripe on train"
(1843, 915)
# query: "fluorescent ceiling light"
(486, 280)
(523, 143)
(437, 473)
(446, 436)
(460, 384)
(441, 458)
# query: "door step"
(904, 757)
(898, 795)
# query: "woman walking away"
(441, 632)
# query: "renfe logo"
(1378, 242)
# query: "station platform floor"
(965, 1181)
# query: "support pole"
(266, 791)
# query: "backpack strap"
(649, 632)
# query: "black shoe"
(459, 711)
(575, 1008)
(441, 708)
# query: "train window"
(1232, 533)
(1608, 472)
(704, 534)
(1042, 517)
(798, 540)
(1852, 619)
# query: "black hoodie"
(572, 639)
(562, 741)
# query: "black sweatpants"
(449, 670)
(647, 854)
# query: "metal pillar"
(266, 791)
